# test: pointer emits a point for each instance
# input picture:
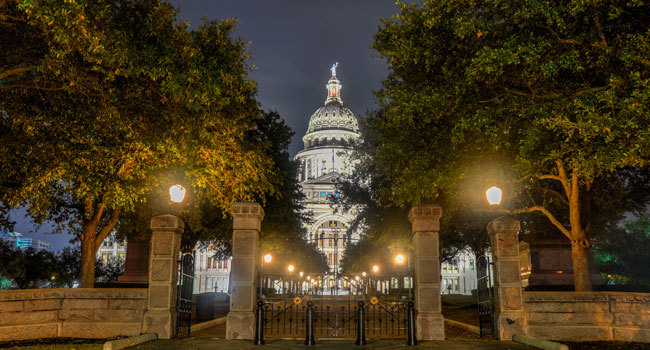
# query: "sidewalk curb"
(207, 324)
(130, 341)
(539, 343)
(462, 325)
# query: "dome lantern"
(333, 86)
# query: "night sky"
(293, 43)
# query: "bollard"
(259, 325)
(411, 340)
(361, 325)
(309, 338)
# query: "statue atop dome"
(333, 69)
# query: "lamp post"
(266, 259)
(400, 258)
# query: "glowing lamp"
(399, 259)
(494, 195)
(363, 274)
(375, 268)
(301, 273)
(177, 193)
(290, 268)
(268, 258)
(356, 278)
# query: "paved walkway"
(213, 338)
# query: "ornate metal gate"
(185, 291)
(485, 296)
(335, 315)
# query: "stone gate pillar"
(509, 317)
(160, 317)
(247, 221)
(425, 223)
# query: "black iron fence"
(335, 318)
(185, 291)
(485, 296)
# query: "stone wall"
(588, 316)
(75, 313)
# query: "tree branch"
(115, 216)
(15, 71)
(549, 215)
(563, 178)
(603, 42)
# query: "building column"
(425, 223)
(247, 221)
(509, 317)
(160, 317)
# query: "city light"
(356, 278)
(268, 258)
(301, 273)
(363, 274)
(290, 268)
(399, 259)
(375, 268)
(177, 193)
(494, 195)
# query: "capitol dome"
(333, 115)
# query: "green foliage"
(105, 101)
(622, 256)
(27, 268)
(531, 81)
(67, 268)
(109, 271)
(282, 232)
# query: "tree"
(383, 225)
(110, 270)
(106, 100)
(623, 256)
(27, 268)
(282, 232)
(555, 92)
(67, 268)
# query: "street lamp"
(375, 268)
(400, 260)
(494, 195)
(177, 193)
(301, 273)
(267, 259)
(363, 274)
(290, 268)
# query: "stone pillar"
(425, 223)
(160, 317)
(509, 317)
(247, 221)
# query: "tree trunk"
(88, 251)
(579, 241)
(581, 274)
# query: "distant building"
(326, 158)
(19, 240)
(459, 277)
(210, 274)
(111, 247)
